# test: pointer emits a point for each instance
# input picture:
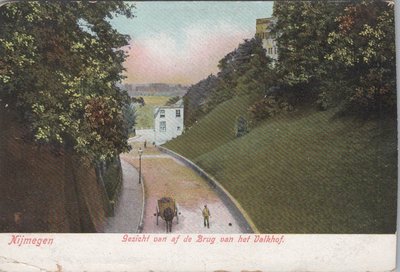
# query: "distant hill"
(155, 89)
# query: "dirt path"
(165, 176)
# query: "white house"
(168, 122)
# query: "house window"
(163, 126)
(178, 113)
(162, 113)
(178, 128)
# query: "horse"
(168, 216)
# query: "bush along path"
(128, 210)
(165, 176)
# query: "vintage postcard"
(198, 136)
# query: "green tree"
(257, 75)
(302, 31)
(226, 81)
(364, 50)
(246, 70)
(61, 63)
(196, 97)
(129, 112)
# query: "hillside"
(212, 131)
(154, 89)
(302, 172)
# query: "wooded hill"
(330, 54)
(308, 144)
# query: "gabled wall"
(174, 125)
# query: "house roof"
(178, 104)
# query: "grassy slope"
(214, 130)
(145, 113)
(302, 173)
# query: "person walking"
(206, 216)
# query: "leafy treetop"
(61, 63)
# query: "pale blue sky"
(195, 35)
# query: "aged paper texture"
(198, 136)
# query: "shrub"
(269, 106)
(241, 126)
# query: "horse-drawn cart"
(167, 209)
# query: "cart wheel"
(176, 213)
(157, 214)
(177, 217)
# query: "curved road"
(165, 176)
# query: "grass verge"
(303, 172)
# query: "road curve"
(165, 176)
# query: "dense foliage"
(129, 113)
(60, 64)
(301, 32)
(195, 99)
(364, 51)
(331, 53)
(244, 71)
(337, 52)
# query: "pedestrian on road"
(206, 216)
